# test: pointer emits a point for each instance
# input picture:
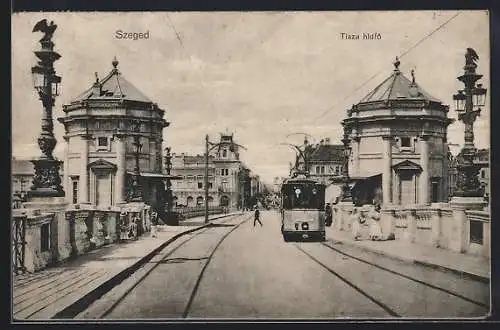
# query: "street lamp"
(346, 190)
(468, 105)
(135, 193)
(46, 181)
(209, 146)
(168, 188)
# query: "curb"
(476, 277)
(82, 303)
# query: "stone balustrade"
(46, 238)
(443, 225)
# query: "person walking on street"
(257, 217)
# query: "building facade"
(398, 138)
(229, 180)
(100, 127)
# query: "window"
(210, 185)
(303, 196)
(317, 169)
(200, 185)
(45, 237)
(405, 142)
(483, 174)
(224, 153)
(102, 141)
(75, 191)
(322, 170)
(227, 171)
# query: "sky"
(260, 75)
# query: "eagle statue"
(471, 57)
(43, 27)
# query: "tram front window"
(303, 197)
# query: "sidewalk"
(476, 267)
(67, 287)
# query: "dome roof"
(112, 86)
(398, 87)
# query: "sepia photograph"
(250, 165)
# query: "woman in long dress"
(356, 225)
(375, 228)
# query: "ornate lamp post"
(135, 193)
(209, 146)
(168, 187)
(468, 105)
(346, 190)
(46, 181)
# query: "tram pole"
(206, 178)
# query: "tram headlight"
(305, 226)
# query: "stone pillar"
(387, 223)
(84, 174)
(355, 152)
(424, 176)
(66, 184)
(436, 226)
(411, 218)
(459, 236)
(121, 169)
(387, 170)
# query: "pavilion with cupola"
(398, 146)
(113, 135)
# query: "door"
(406, 191)
(103, 189)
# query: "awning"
(364, 177)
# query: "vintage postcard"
(323, 165)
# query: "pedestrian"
(375, 228)
(123, 226)
(257, 216)
(328, 215)
(154, 223)
(356, 223)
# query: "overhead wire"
(380, 71)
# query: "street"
(235, 270)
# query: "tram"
(302, 209)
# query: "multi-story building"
(101, 126)
(325, 162)
(229, 179)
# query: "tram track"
(386, 308)
(430, 285)
(164, 260)
(372, 297)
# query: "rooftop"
(328, 153)
(113, 86)
(397, 87)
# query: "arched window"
(189, 201)
(224, 153)
(199, 200)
